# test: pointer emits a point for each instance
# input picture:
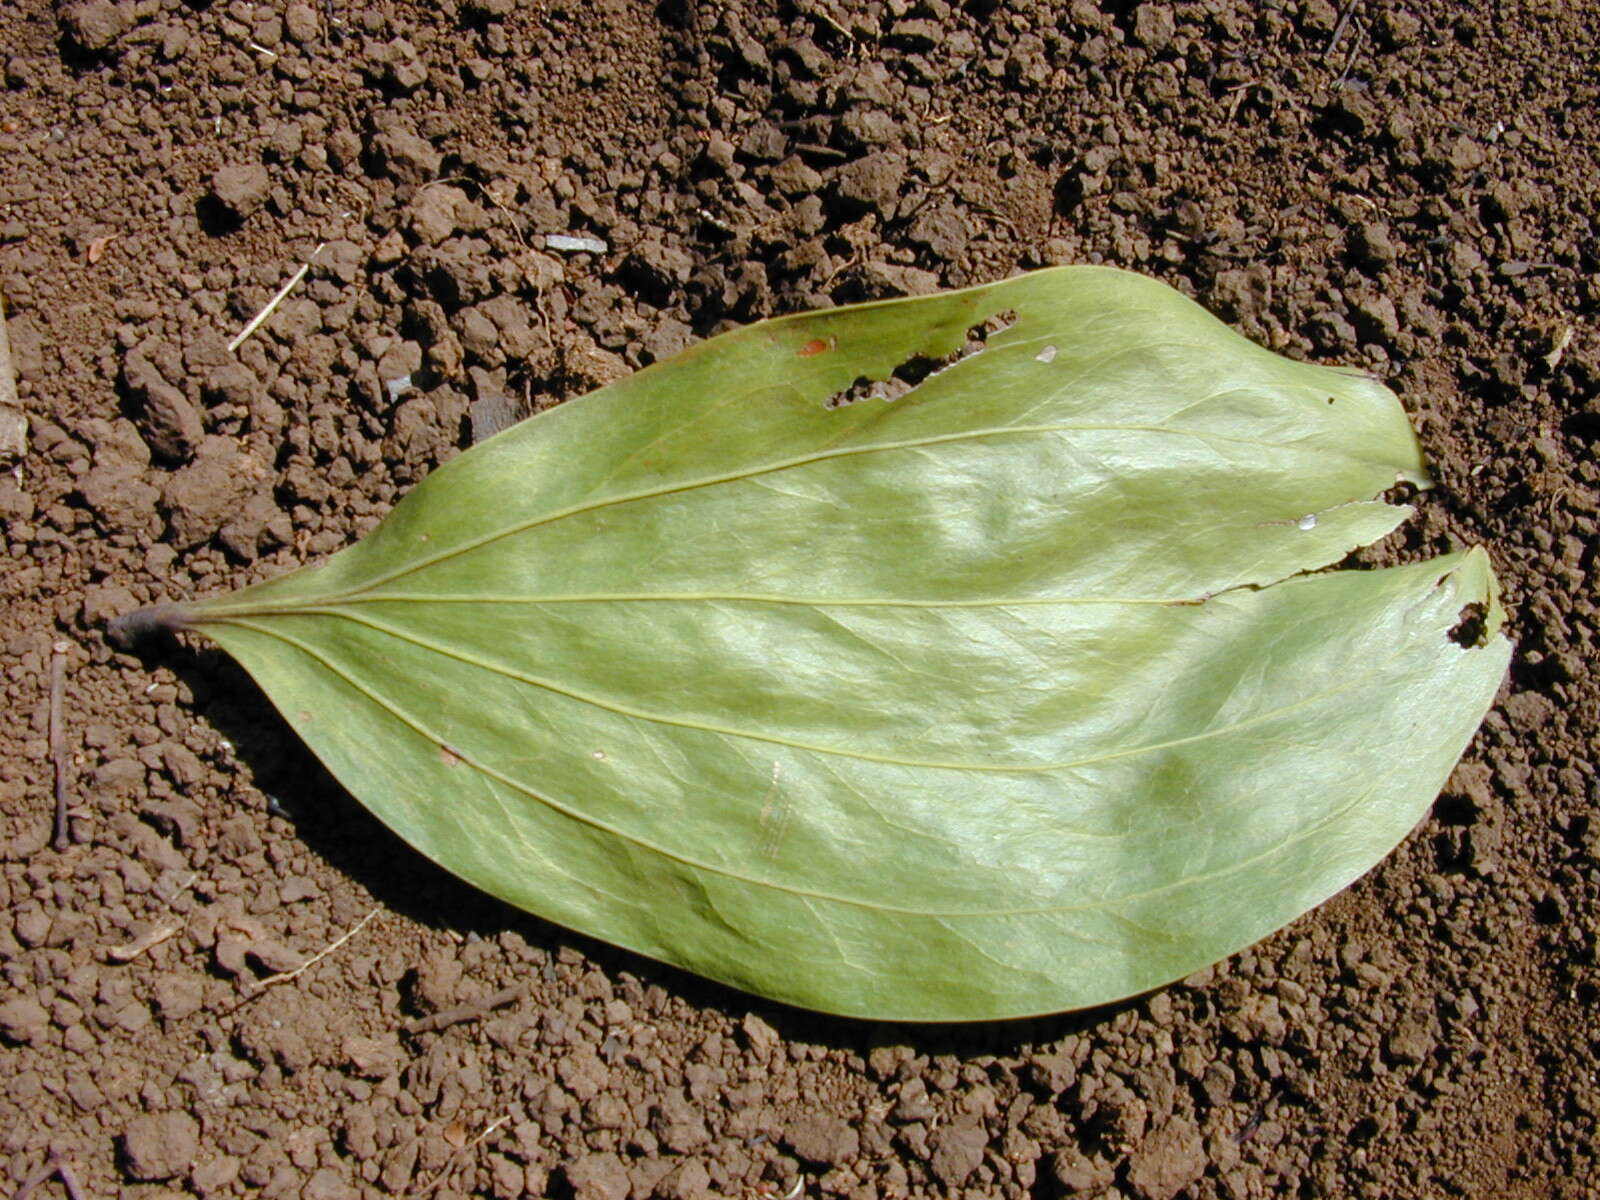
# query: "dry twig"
(54, 1165)
(32, 1182)
(58, 739)
(455, 1159)
(262, 985)
(470, 1011)
(1350, 60)
(8, 378)
(255, 321)
(69, 1178)
(145, 941)
(1338, 30)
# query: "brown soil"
(1402, 185)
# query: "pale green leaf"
(1015, 694)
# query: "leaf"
(1010, 696)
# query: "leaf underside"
(1009, 696)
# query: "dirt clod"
(97, 24)
(171, 425)
(598, 1177)
(24, 1020)
(957, 1152)
(210, 492)
(1167, 1161)
(240, 190)
(1154, 26)
(822, 1139)
(160, 1146)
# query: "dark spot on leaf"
(449, 757)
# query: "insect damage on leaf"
(1028, 691)
(892, 383)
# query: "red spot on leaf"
(815, 347)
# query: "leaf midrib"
(561, 514)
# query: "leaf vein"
(806, 895)
(752, 472)
(640, 714)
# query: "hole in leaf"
(919, 367)
(1404, 491)
(1469, 630)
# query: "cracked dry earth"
(1405, 185)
